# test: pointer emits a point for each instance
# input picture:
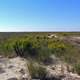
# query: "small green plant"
(77, 68)
(36, 71)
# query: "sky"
(39, 15)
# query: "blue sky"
(39, 15)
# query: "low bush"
(77, 68)
(36, 71)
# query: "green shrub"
(36, 71)
(24, 48)
(43, 53)
(77, 68)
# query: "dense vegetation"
(39, 47)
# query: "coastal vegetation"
(39, 47)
